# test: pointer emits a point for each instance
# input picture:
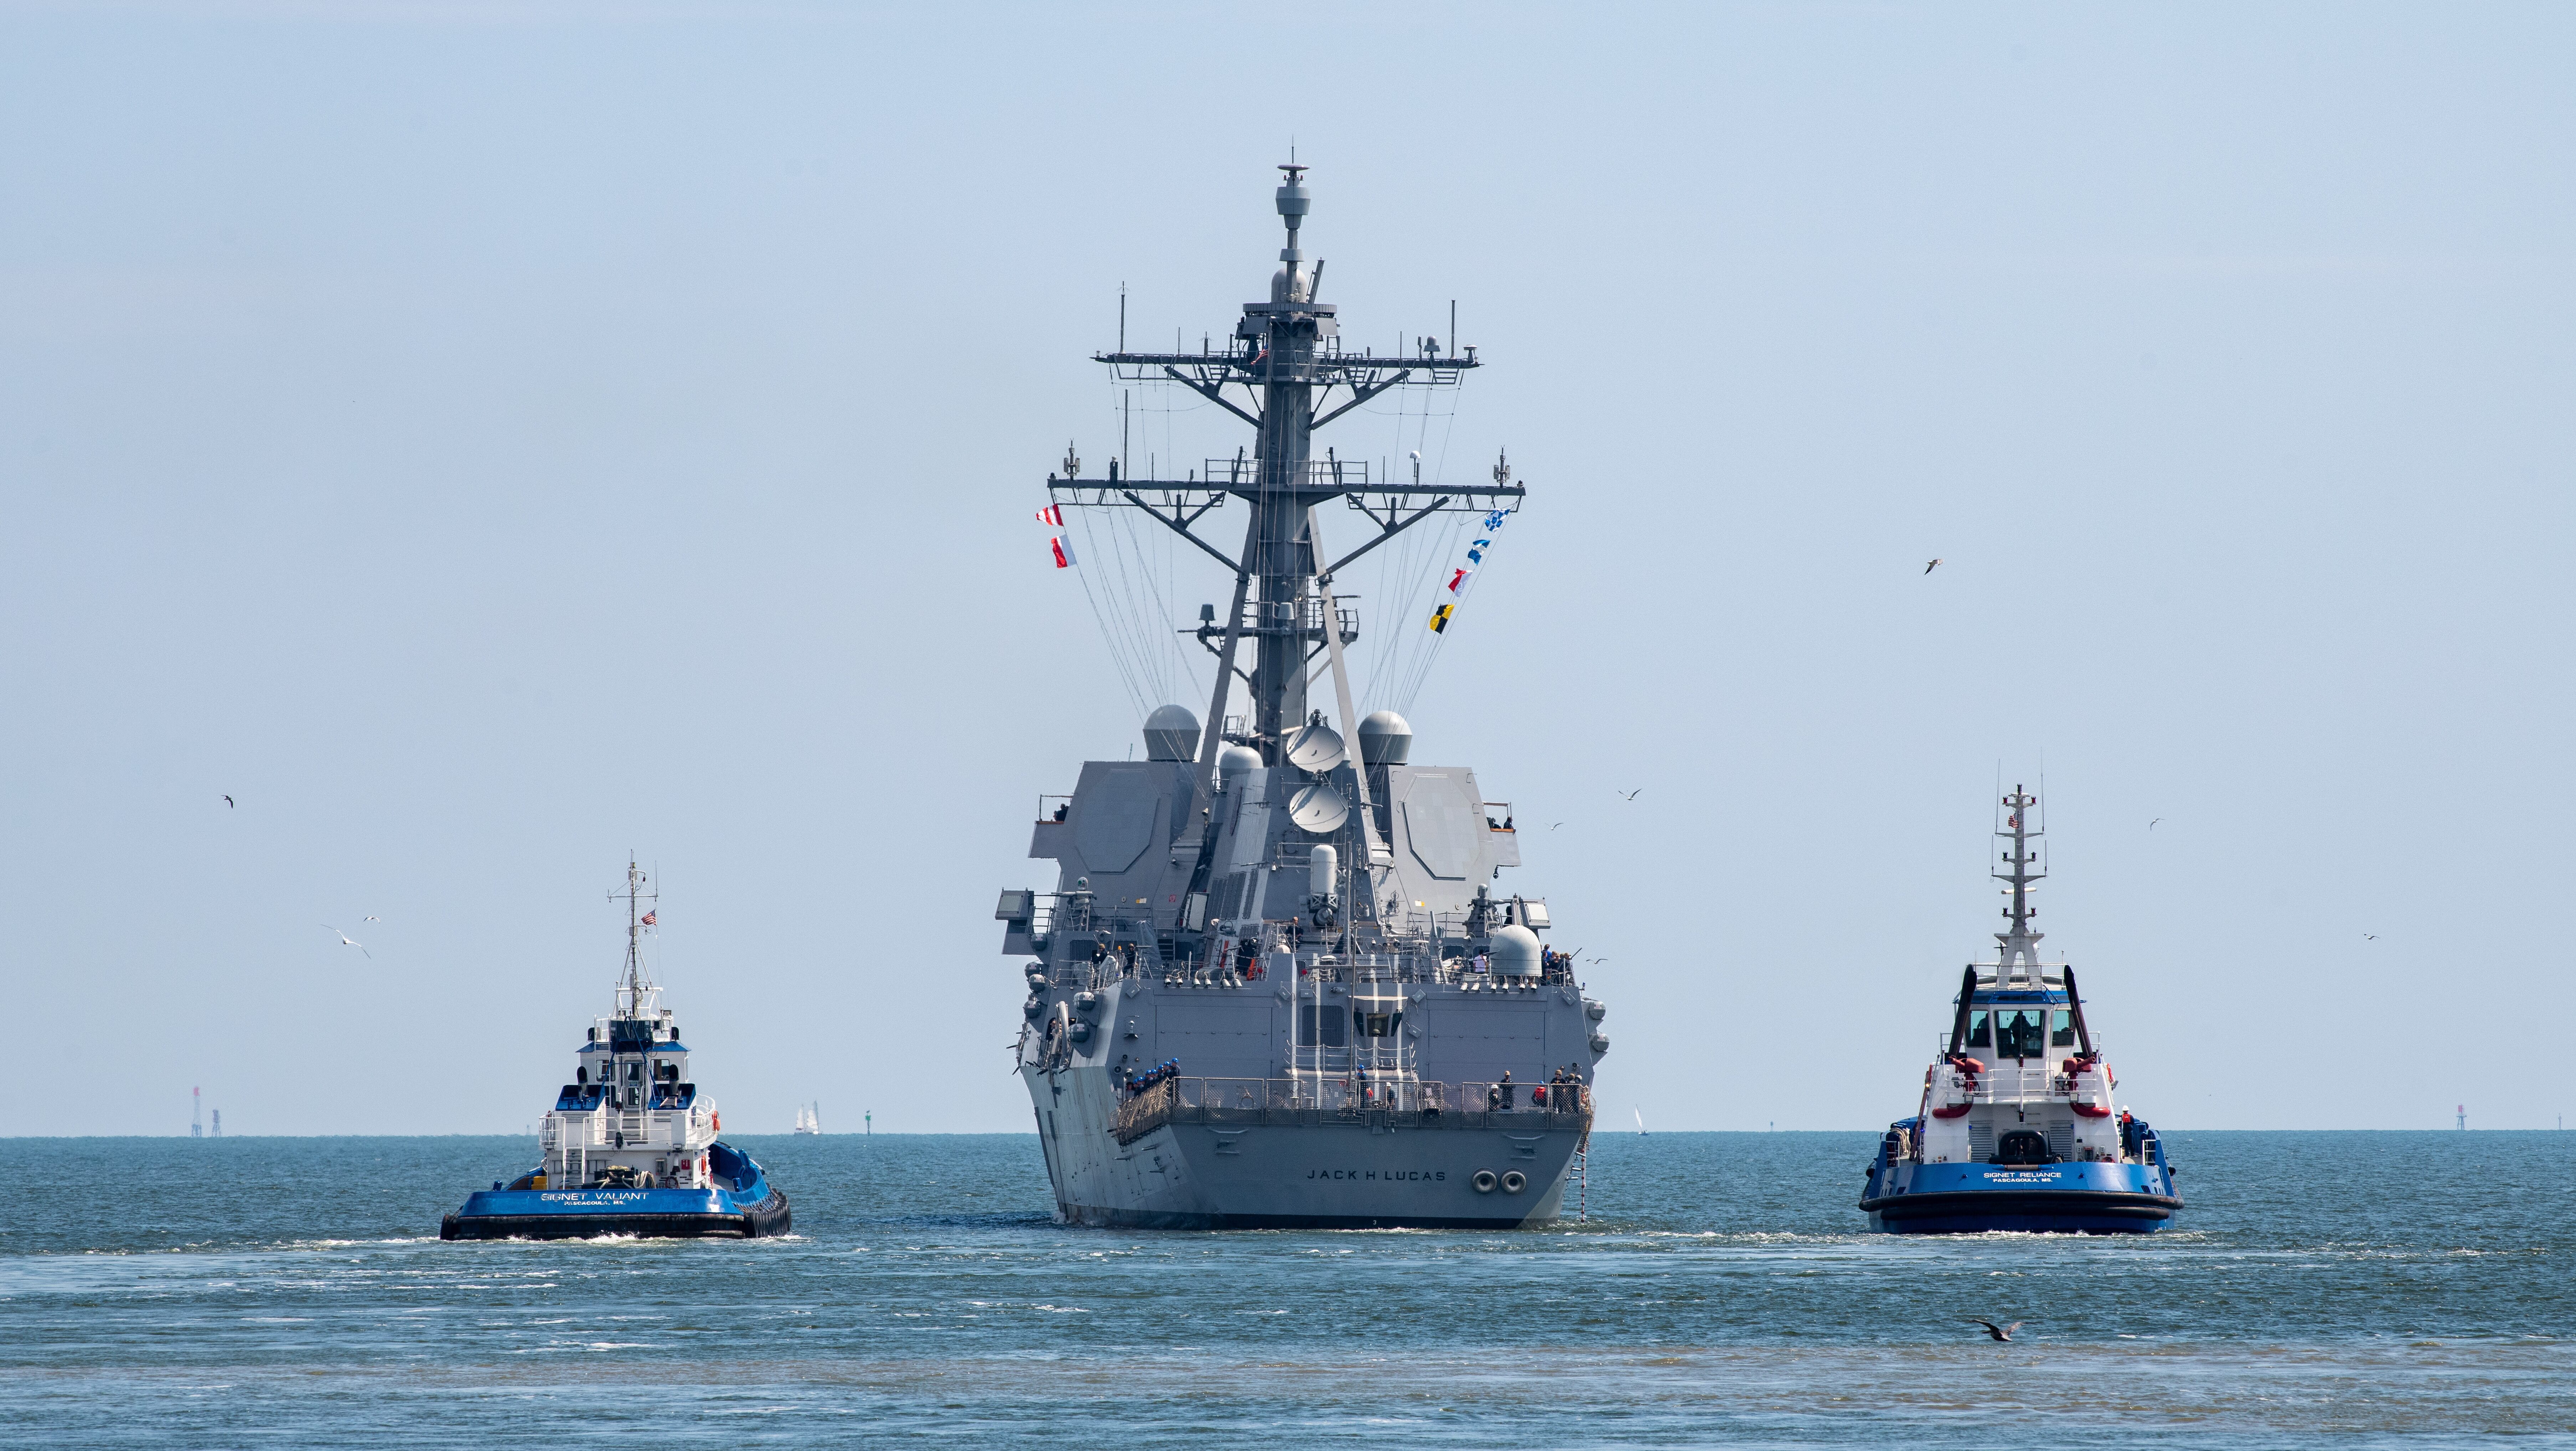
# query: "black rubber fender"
(770, 1217)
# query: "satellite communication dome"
(1385, 740)
(1171, 734)
(1316, 747)
(1318, 808)
(1233, 761)
(1514, 951)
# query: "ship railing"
(2023, 1085)
(1319, 473)
(1135, 955)
(1301, 617)
(651, 1129)
(1541, 1098)
(1378, 1103)
(1368, 967)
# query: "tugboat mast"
(635, 983)
(2020, 945)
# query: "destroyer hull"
(598, 1213)
(1306, 1169)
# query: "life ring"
(718, 1120)
(2090, 1110)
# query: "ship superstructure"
(1276, 983)
(2017, 1128)
(630, 1146)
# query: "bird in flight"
(2370, 937)
(348, 941)
(2152, 824)
(1553, 825)
(375, 919)
(228, 801)
(1935, 564)
(1999, 1332)
(1626, 795)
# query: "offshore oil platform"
(1276, 984)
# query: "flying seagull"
(1999, 1332)
(2152, 824)
(1553, 825)
(1935, 564)
(348, 941)
(375, 919)
(228, 801)
(1626, 795)
(2370, 937)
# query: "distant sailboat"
(809, 1120)
(1641, 1121)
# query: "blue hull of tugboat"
(2062, 1198)
(755, 1211)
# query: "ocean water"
(2359, 1287)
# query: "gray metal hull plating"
(1299, 1169)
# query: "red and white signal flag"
(1063, 551)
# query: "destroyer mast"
(1286, 356)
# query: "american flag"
(648, 919)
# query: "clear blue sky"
(485, 438)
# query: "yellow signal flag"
(1440, 617)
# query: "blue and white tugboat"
(2016, 1129)
(631, 1146)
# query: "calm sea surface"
(2380, 1286)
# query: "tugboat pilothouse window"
(1981, 1031)
(2061, 1029)
(2017, 1034)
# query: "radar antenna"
(1286, 358)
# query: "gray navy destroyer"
(1278, 983)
